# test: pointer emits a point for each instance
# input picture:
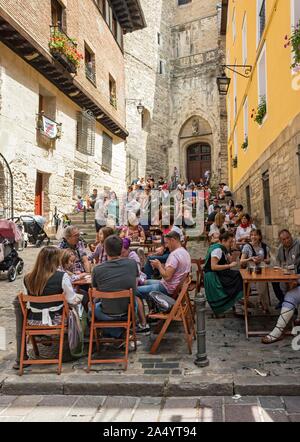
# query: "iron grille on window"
(86, 125)
(132, 169)
(107, 152)
(262, 18)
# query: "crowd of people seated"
(117, 262)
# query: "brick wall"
(85, 24)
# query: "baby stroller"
(10, 261)
(34, 228)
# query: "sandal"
(269, 339)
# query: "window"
(80, 184)
(46, 108)
(107, 143)
(233, 26)
(146, 120)
(228, 116)
(112, 92)
(235, 93)
(261, 18)
(90, 70)
(244, 37)
(158, 38)
(183, 2)
(295, 13)
(119, 35)
(246, 128)
(267, 198)
(132, 169)
(102, 6)
(235, 143)
(86, 125)
(161, 68)
(57, 14)
(262, 76)
(114, 25)
(248, 199)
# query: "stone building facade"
(88, 101)
(171, 66)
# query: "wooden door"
(198, 161)
(39, 195)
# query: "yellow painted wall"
(283, 85)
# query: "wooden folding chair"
(126, 324)
(182, 311)
(31, 331)
(198, 282)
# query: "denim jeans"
(151, 286)
(113, 332)
(148, 270)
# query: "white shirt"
(242, 233)
(217, 253)
(211, 209)
(215, 229)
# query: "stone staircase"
(88, 228)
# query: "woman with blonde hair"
(218, 224)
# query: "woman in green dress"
(223, 286)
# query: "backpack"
(161, 303)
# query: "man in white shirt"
(211, 207)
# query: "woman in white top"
(218, 224)
(243, 231)
(257, 252)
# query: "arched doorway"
(198, 161)
(6, 189)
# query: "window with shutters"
(86, 125)
(107, 145)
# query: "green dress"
(222, 288)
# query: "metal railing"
(63, 48)
(90, 73)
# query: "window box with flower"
(245, 143)
(64, 49)
(235, 162)
(259, 114)
(294, 42)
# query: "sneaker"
(143, 330)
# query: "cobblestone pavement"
(228, 350)
(148, 409)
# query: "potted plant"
(245, 143)
(294, 42)
(65, 49)
(234, 162)
(259, 114)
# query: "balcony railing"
(90, 73)
(64, 49)
(48, 127)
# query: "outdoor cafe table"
(83, 281)
(150, 246)
(267, 275)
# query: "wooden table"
(267, 275)
(83, 281)
(151, 246)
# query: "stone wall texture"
(280, 159)
(20, 85)
(190, 50)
